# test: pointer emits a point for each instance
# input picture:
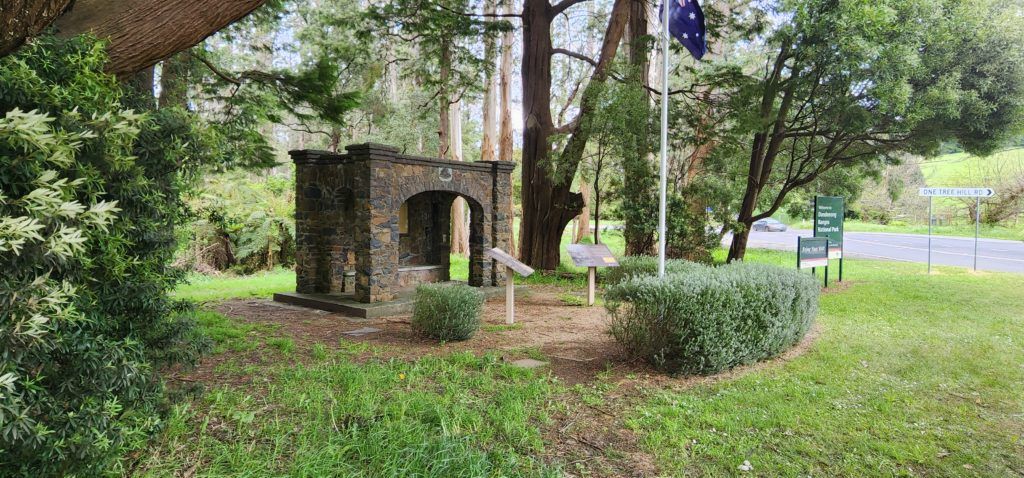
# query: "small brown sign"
(592, 255)
(504, 258)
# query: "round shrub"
(639, 266)
(712, 318)
(447, 312)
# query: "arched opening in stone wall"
(424, 244)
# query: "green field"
(912, 375)
(953, 170)
(962, 169)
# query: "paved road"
(993, 254)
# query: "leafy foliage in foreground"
(89, 196)
(447, 312)
(712, 319)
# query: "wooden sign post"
(512, 266)
(591, 256)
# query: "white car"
(768, 225)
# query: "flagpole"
(663, 186)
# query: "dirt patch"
(574, 339)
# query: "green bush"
(712, 318)
(640, 266)
(447, 312)
(89, 197)
(242, 222)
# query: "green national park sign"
(828, 222)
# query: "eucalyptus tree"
(442, 33)
(852, 84)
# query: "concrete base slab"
(346, 304)
(361, 331)
(528, 363)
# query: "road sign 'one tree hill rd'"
(957, 192)
(976, 193)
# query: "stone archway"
(381, 180)
(425, 242)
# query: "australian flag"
(686, 24)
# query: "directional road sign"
(957, 192)
(976, 193)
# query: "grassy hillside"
(962, 169)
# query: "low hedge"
(639, 266)
(711, 319)
(447, 312)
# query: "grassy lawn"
(912, 375)
(459, 416)
(202, 288)
(964, 230)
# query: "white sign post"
(512, 266)
(976, 193)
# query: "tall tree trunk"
(175, 78)
(637, 167)
(490, 126)
(21, 20)
(549, 203)
(583, 224)
(637, 29)
(597, 207)
(505, 135)
(542, 221)
(764, 149)
(460, 230)
(391, 71)
(334, 139)
(444, 104)
(738, 246)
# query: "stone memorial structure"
(371, 222)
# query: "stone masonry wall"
(347, 209)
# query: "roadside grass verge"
(912, 375)
(956, 230)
